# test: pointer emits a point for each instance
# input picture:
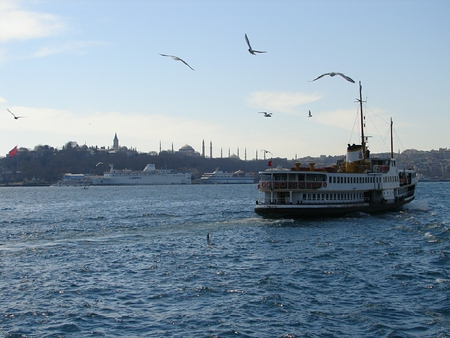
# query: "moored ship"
(149, 176)
(220, 177)
(360, 183)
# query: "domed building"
(187, 150)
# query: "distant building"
(115, 142)
(187, 150)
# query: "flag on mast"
(13, 152)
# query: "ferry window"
(329, 179)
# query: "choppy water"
(134, 261)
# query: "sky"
(84, 70)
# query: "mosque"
(188, 150)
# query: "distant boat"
(149, 176)
(220, 177)
(358, 184)
(73, 180)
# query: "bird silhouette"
(250, 49)
(266, 151)
(266, 114)
(15, 117)
(176, 58)
(334, 74)
(310, 115)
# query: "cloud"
(280, 101)
(73, 46)
(20, 24)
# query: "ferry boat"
(149, 176)
(359, 183)
(220, 177)
(73, 180)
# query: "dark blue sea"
(135, 262)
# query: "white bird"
(250, 49)
(15, 117)
(266, 151)
(310, 115)
(176, 58)
(99, 163)
(266, 114)
(334, 74)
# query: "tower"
(210, 149)
(115, 142)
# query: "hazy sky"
(84, 70)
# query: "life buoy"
(276, 185)
(324, 184)
(308, 185)
(268, 185)
(302, 185)
(293, 185)
(263, 184)
(283, 185)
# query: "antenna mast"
(392, 141)
(363, 141)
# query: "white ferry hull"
(149, 176)
(219, 177)
(327, 210)
(141, 180)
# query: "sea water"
(135, 261)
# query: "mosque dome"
(186, 149)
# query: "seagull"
(266, 114)
(15, 117)
(266, 151)
(310, 115)
(251, 51)
(99, 163)
(334, 74)
(176, 58)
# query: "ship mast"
(363, 141)
(392, 141)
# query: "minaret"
(115, 142)
(203, 148)
(210, 149)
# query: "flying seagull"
(15, 117)
(266, 151)
(250, 49)
(310, 115)
(266, 114)
(334, 74)
(176, 58)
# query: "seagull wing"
(186, 63)
(248, 42)
(167, 55)
(317, 78)
(11, 112)
(346, 77)
(257, 51)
